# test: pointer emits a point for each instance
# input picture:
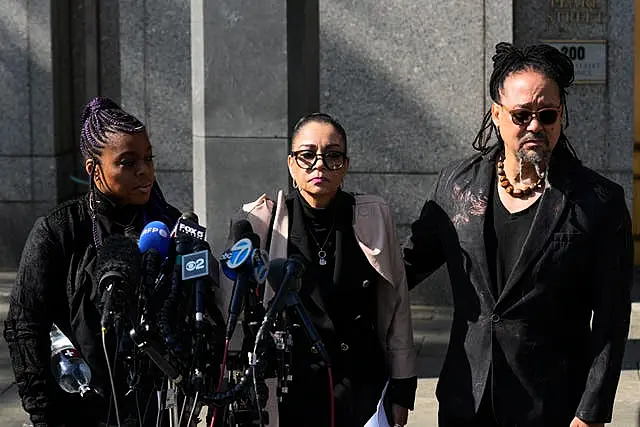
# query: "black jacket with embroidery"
(551, 344)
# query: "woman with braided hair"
(55, 282)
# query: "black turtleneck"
(340, 298)
(319, 230)
(58, 270)
(332, 292)
(114, 218)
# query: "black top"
(340, 299)
(55, 284)
(569, 289)
(340, 306)
(505, 238)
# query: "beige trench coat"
(376, 235)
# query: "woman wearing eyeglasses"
(354, 286)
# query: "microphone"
(199, 263)
(184, 234)
(117, 273)
(184, 230)
(154, 245)
(288, 273)
(155, 235)
(188, 225)
(240, 251)
(236, 264)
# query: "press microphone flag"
(259, 265)
(237, 265)
(240, 251)
(155, 235)
(187, 225)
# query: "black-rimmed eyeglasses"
(307, 159)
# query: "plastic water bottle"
(69, 369)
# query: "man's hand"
(399, 415)
(577, 422)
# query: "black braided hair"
(321, 118)
(100, 117)
(509, 59)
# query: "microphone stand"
(253, 314)
(317, 346)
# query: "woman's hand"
(577, 422)
(399, 415)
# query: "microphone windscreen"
(296, 265)
(255, 240)
(155, 235)
(190, 216)
(276, 273)
(241, 229)
(119, 254)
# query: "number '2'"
(573, 52)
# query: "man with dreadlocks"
(54, 283)
(539, 253)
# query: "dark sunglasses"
(307, 159)
(522, 117)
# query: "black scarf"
(128, 220)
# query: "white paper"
(379, 419)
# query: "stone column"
(155, 85)
(600, 113)
(253, 74)
(36, 154)
(411, 92)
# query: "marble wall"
(219, 86)
(408, 82)
(601, 114)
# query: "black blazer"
(535, 339)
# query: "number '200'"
(573, 52)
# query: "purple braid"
(100, 117)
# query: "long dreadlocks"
(509, 59)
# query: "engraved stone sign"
(589, 58)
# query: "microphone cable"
(110, 371)
(138, 407)
(332, 402)
(160, 410)
(193, 408)
(184, 406)
(221, 378)
(255, 389)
